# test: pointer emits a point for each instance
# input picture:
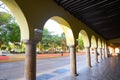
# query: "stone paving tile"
(45, 76)
(108, 69)
(60, 71)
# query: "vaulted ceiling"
(103, 16)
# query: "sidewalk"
(21, 57)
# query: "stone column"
(100, 51)
(73, 60)
(96, 55)
(88, 56)
(106, 52)
(30, 60)
(114, 51)
(103, 52)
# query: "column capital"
(100, 48)
(30, 42)
(95, 48)
(87, 47)
(71, 46)
(103, 48)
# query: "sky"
(53, 26)
(1, 8)
(4, 8)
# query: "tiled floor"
(53, 75)
(108, 69)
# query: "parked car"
(5, 53)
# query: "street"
(15, 70)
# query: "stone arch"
(103, 46)
(93, 42)
(85, 38)
(99, 43)
(66, 29)
(18, 14)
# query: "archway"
(80, 44)
(99, 43)
(87, 46)
(93, 44)
(69, 39)
(103, 49)
(99, 49)
(25, 35)
(103, 44)
(63, 27)
(117, 51)
(93, 50)
(106, 50)
(22, 22)
(85, 38)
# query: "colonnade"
(32, 22)
(30, 59)
(114, 50)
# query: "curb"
(11, 60)
(15, 60)
(23, 59)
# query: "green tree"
(46, 39)
(9, 30)
(5, 18)
(51, 42)
(13, 32)
(56, 41)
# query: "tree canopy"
(9, 30)
(80, 43)
(5, 18)
(51, 42)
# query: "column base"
(74, 75)
(90, 66)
